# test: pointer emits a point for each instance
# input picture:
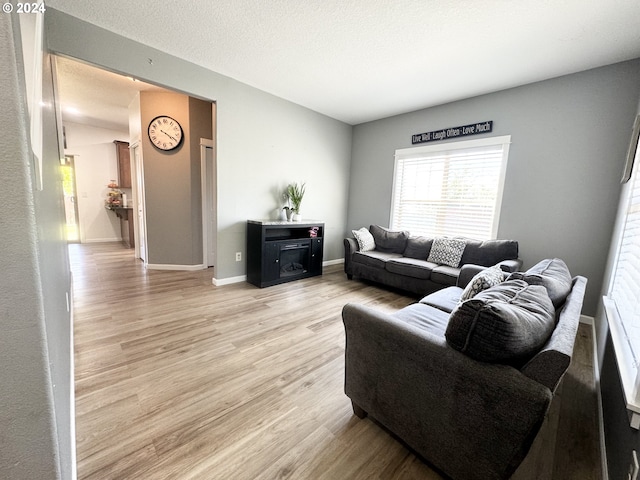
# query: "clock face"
(165, 132)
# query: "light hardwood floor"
(178, 379)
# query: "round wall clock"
(165, 132)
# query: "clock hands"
(172, 138)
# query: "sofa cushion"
(365, 240)
(445, 299)
(424, 317)
(445, 275)
(374, 258)
(489, 252)
(418, 247)
(388, 240)
(507, 323)
(553, 274)
(410, 267)
(447, 251)
(481, 281)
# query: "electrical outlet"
(238, 256)
(633, 467)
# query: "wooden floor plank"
(177, 378)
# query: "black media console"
(279, 252)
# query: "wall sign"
(453, 132)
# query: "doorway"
(92, 124)
(72, 227)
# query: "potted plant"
(286, 212)
(295, 193)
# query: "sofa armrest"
(350, 246)
(467, 272)
(550, 364)
(511, 265)
(470, 419)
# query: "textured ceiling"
(360, 60)
(95, 97)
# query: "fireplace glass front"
(294, 259)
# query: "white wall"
(36, 388)
(96, 165)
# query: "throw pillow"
(418, 247)
(389, 241)
(553, 274)
(365, 240)
(489, 252)
(481, 281)
(508, 323)
(447, 251)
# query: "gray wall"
(201, 126)
(263, 142)
(569, 138)
(36, 436)
(172, 179)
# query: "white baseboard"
(72, 392)
(188, 268)
(101, 240)
(596, 376)
(228, 281)
(587, 320)
(337, 261)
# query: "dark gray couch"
(400, 260)
(420, 376)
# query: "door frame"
(139, 207)
(207, 172)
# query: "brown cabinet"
(124, 164)
(126, 224)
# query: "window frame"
(503, 140)
(628, 367)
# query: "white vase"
(296, 217)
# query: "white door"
(207, 175)
(139, 220)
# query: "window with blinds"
(621, 305)
(452, 189)
(625, 286)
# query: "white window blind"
(621, 304)
(625, 286)
(452, 189)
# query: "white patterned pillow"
(481, 281)
(365, 240)
(447, 251)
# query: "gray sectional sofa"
(469, 384)
(400, 260)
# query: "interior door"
(139, 221)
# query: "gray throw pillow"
(489, 252)
(481, 281)
(418, 247)
(507, 323)
(553, 274)
(389, 241)
(365, 240)
(447, 251)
